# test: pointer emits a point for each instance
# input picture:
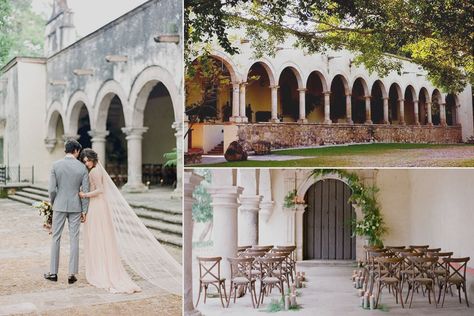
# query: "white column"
(274, 104)
(243, 118)
(368, 113)
(235, 102)
(70, 136)
(265, 190)
(416, 111)
(225, 230)
(185, 129)
(191, 180)
(249, 207)
(98, 144)
(401, 112)
(385, 111)
(442, 114)
(327, 107)
(349, 109)
(178, 126)
(300, 208)
(302, 117)
(428, 108)
(134, 157)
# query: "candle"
(364, 287)
(293, 288)
(366, 301)
(372, 302)
(361, 293)
(354, 272)
(293, 300)
(287, 302)
(303, 276)
(355, 284)
(361, 301)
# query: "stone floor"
(329, 292)
(24, 257)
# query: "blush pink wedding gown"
(104, 268)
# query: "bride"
(112, 231)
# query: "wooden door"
(327, 222)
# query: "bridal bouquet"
(46, 211)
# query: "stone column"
(178, 126)
(191, 180)
(401, 112)
(385, 111)
(134, 157)
(224, 202)
(265, 190)
(368, 113)
(349, 109)
(416, 111)
(428, 110)
(50, 144)
(243, 118)
(300, 209)
(248, 211)
(98, 144)
(235, 102)
(327, 107)
(274, 118)
(442, 114)
(302, 104)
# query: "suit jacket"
(68, 176)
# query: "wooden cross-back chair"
(389, 276)
(271, 273)
(455, 274)
(423, 276)
(210, 274)
(241, 276)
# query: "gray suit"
(68, 177)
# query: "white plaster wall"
(465, 115)
(212, 136)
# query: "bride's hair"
(90, 155)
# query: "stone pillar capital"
(415, 101)
(328, 93)
(134, 132)
(385, 98)
(50, 143)
(98, 135)
(243, 84)
(70, 136)
(225, 195)
(250, 203)
(348, 94)
(302, 90)
(274, 87)
(401, 100)
(367, 97)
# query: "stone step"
(21, 199)
(163, 210)
(31, 196)
(159, 216)
(170, 239)
(176, 229)
(36, 191)
(38, 188)
(327, 263)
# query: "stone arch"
(378, 93)
(395, 94)
(345, 81)
(437, 99)
(411, 100)
(258, 92)
(231, 66)
(106, 93)
(424, 100)
(452, 106)
(77, 99)
(288, 92)
(268, 68)
(316, 86)
(141, 88)
(340, 93)
(52, 117)
(359, 91)
(303, 189)
(296, 71)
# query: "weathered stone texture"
(284, 135)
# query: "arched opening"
(159, 139)
(116, 145)
(409, 105)
(315, 98)
(435, 107)
(423, 106)
(338, 99)
(289, 96)
(394, 95)
(208, 90)
(258, 94)
(376, 102)
(327, 229)
(358, 102)
(451, 106)
(84, 126)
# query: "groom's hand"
(83, 217)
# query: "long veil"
(137, 245)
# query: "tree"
(436, 34)
(22, 30)
(202, 208)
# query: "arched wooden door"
(327, 227)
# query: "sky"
(89, 15)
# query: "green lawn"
(343, 156)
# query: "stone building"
(117, 90)
(295, 99)
(418, 206)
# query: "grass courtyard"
(361, 155)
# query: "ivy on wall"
(372, 224)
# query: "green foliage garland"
(372, 224)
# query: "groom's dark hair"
(71, 146)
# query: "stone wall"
(284, 135)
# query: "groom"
(68, 177)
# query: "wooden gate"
(327, 222)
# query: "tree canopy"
(22, 30)
(436, 34)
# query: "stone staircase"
(166, 225)
(218, 150)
